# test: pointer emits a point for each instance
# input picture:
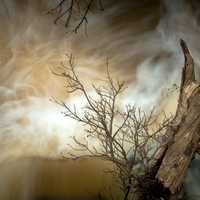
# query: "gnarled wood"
(184, 131)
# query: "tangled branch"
(68, 10)
(125, 138)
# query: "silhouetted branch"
(125, 138)
(68, 10)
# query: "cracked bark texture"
(184, 131)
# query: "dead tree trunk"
(183, 134)
(184, 131)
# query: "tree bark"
(164, 181)
(184, 131)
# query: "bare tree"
(167, 177)
(78, 10)
(126, 137)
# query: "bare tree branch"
(78, 10)
(125, 138)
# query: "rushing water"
(140, 38)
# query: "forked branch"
(74, 10)
(124, 137)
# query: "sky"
(140, 39)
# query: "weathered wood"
(184, 131)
